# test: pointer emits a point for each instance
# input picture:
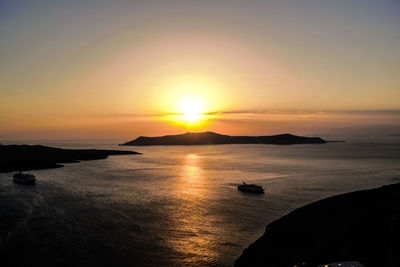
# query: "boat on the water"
(252, 188)
(24, 178)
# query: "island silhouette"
(28, 157)
(211, 138)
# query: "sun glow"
(191, 109)
(190, 102)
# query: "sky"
(120, 69)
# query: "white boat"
(252, 188)
(24, 178)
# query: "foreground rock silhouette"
(211, 138)
(26, 157)
(360, 226)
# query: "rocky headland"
(361, 226)
(27, 157)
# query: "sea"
(178, 205)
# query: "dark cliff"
(361, 226)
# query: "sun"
(191, 109)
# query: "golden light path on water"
(194, 232)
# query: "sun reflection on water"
(191, 156)
(191, 170)
(195, 231)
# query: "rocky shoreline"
(361, 226)
(27, 157)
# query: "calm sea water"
(179, 205)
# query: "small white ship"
(24, 178)
(252, 188)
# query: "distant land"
(361, 226)
(211, 138)
(27, 157)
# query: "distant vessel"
(250, 188)
(24, 178)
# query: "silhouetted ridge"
(361, 226)
(26, 157)
(211, 138)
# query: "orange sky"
(117, 70)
